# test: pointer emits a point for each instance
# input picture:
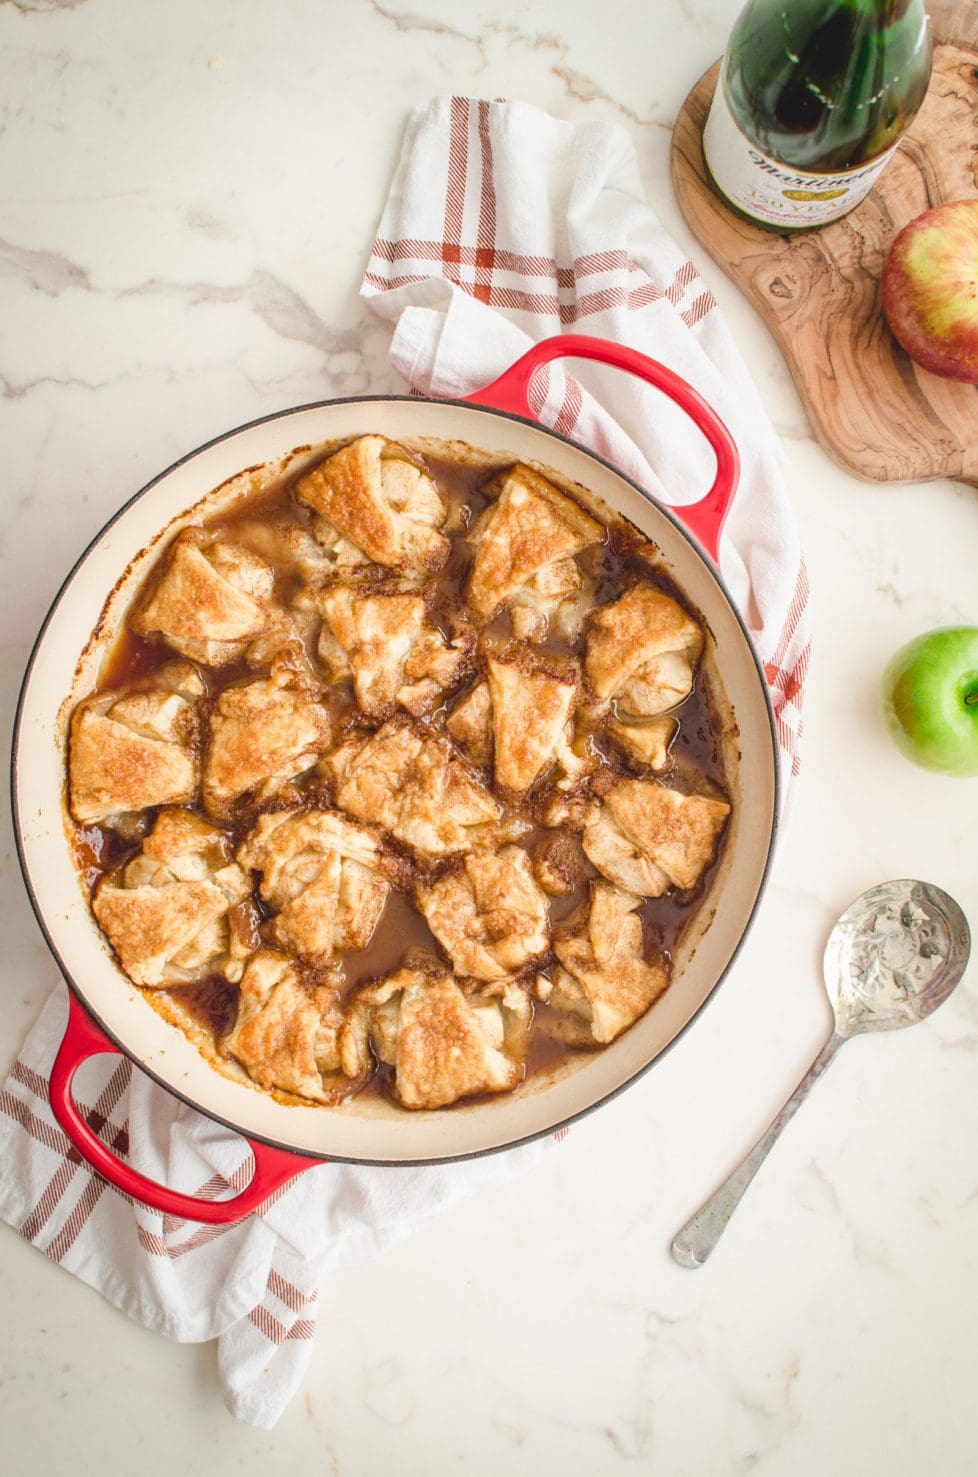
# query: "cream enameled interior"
(370, 1129)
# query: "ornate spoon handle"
(701, 1233)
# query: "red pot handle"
(273, 1167)
(511, 392)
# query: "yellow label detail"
(814, 194)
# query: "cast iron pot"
(108, 1014)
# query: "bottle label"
(772, 192)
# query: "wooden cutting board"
(870, 406)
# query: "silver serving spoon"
(893, 957)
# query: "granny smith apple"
(930, 290)
(929, 699)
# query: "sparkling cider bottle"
(811, 101)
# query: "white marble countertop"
(188, 192)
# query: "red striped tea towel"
(504, 226)
(252, 1287)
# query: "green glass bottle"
(812, 98)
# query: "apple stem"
(971, 698)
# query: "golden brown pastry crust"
(646, 740)
(390, 649)
(618, 857)
(553, 602)
(649, 838)
(210, 601)
(413, 784)
(326, 878)
(313, 554)
(166, 916)
(286, 1033)
(150, 927)
(605, 982)
(186, 845)
(531, 706)
(282, 650)
(130, 751)
(443, 1045)
(488, 913)
(642, 650)
(379, 499)
(261, 735)
(530, 526)
(470, 724)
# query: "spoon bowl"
(894, 956)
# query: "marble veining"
(187, 196)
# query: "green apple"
(929, 699)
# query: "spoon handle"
(701, 1233)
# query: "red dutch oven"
(108, 1014)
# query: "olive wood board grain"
(870, 406)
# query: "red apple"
(930, 290)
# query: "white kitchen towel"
(502, 226)
(505, 226)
